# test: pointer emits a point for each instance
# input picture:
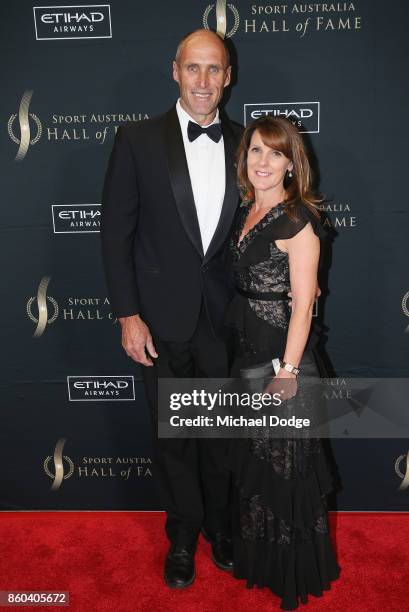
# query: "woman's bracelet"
(289, 368)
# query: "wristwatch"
(289, 368)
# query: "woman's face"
(266, 167)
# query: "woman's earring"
(290, 173)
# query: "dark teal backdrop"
(70, 77)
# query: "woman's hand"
(284, 383)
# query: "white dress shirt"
(205, 160)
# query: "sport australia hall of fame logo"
(30, 128)
(405, 308)
(59, 467)
(402, 470)
(220, 12)
(43, 300)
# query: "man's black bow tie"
(194, 130)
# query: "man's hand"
(317, 295)
(136, 337)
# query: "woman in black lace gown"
(280, 529)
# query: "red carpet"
(112, 561)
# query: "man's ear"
(228, 76)
(175, 70)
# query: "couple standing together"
(172, 232)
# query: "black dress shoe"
(222, 550)
(179, 567)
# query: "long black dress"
(280, 530)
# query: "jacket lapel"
(180, 179)
(231, 195)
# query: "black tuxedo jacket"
(151, 244)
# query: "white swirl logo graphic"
(58, 458)
(405, 308)
(43, 315)
(221, 18)
(405, 476)
(26, 138)
(59, 474)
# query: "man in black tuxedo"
(169, 199)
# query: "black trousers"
(194, 485)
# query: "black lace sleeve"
(290, 227)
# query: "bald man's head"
(202, 70)
(203, 35)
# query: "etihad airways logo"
(30, 131)
(72, 22)
(76, 218)
(305, 115)
(100, 388)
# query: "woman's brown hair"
(280, 134)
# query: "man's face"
(202, 74)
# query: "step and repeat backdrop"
(75, 429)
